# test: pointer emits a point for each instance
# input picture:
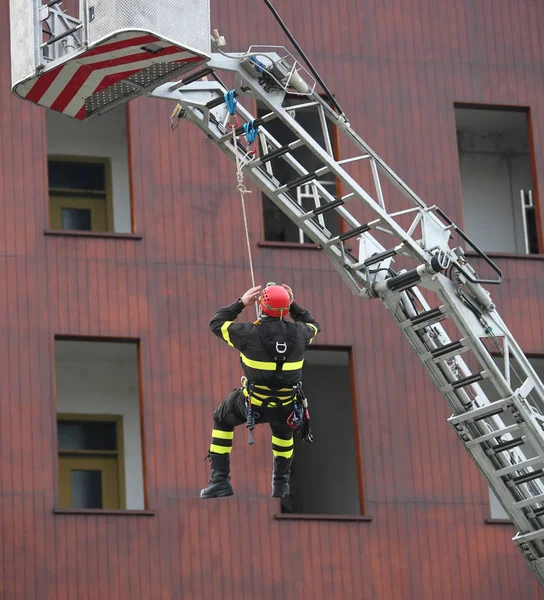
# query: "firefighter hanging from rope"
(272, 353)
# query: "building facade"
(122, 237)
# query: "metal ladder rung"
(446, 352)
(533, 536)
(461, 383)
(447, 348)
(404, 281)
(425, 319)
(323, 208)
(305, 178)
(278, 152)
(354, 233)
(528, 477)
(489, 410)
(528, 501)
(240, 130)
(61, 36)
(507, 445)
(379, 257)
(348, 235)
(518, 466)
(217, 101)
(492, 434)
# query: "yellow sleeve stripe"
(225, 332)
(315, 331)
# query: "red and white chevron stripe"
(66, 87)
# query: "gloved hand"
(251, 296)
(289, 291)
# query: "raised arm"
(301, 315)
(222, 323)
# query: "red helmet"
(274, 300)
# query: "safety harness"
(279, 347)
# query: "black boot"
(219, 484)
(280, 477)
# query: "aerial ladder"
(404, 253)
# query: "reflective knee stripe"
(287, 454)
(220, 449)
(221, 441)
(269, 365)
(225, 332)
(315, 331)
(281, 447)
(224, 435)
(281, 442)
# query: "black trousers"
(231, 413)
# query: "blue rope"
(251, 130)
(231, 102)
(257, 65)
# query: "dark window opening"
(277, 226)
(325, 477)
(496, 179)
(83, 176)
(76, 218)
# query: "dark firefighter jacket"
(260, 343)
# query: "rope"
(243, 191)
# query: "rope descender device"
(251, 132)
(232, 103)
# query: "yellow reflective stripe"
(257, 402)
(225, 332)
(220, 449)
(287, 454)
(258, 364)
(224, 435)
(315, 331)
(270, 366)
(281, 442)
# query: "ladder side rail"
(194, 102)
(506, 494)
(445, 289)
(534, 431)
(287, 204)
(520, 498)
(340, 121)
(220, 113)
(229, 64)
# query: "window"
(325, 476)
(99, 428)
(277, 226)
(89, 188)
(80, 194)
(91, 473)
(496, 179)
